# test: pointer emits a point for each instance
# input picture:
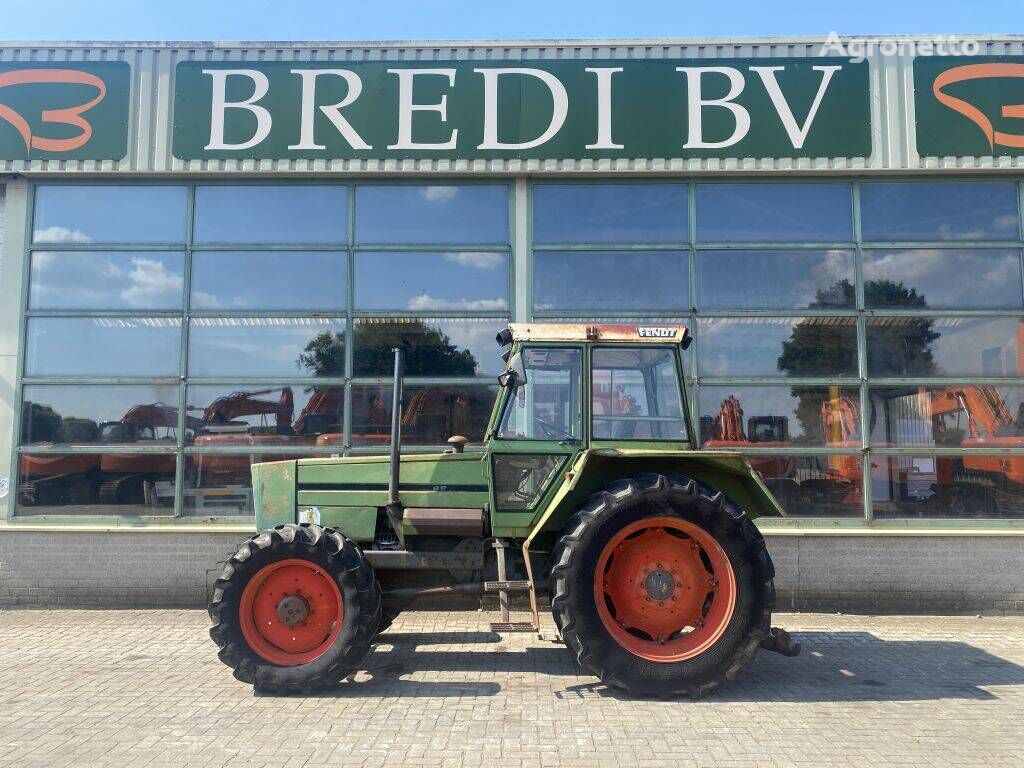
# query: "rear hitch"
(779, 641)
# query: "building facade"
(210, 250)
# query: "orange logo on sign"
(66, 116)
(971, 112)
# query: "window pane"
(285, 213)
(221, 485)
(96, 484)
(942, 278)
(610, 213)
(777, 346)
(95, 415)
(430, 414)
(110, 214)
(279, 346)
(899, 211)
(433, 346)
(635, 395)
(953, 416)
(102, 346)
(520, 478)
(269, 280)
(774, 279)
(813, 486)
(774, 213)
(225, 415)
(970, 486)
(432, 214)
(943, 346)
(610, 280)
(461, 280)
(777, 417)
(111, 280)
(548, 405)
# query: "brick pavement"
(144, 688)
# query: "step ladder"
(503, 586)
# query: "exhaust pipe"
(394, 506)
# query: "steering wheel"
(553, 431)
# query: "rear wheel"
(662, 586)
(295, 609)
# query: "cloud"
(439, 194)
(60, 235)
(149, 283)
(476, 259)
(424, 302)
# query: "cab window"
(547, 406)
(635, 394)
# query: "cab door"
(538, 432)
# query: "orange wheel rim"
(665, 589)
(291, 612)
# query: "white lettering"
(406, 107)
(604, 108)
(696, 104)
(797, 133)
(833, 44)
(331, 111)
(220, 105)
(559, 99)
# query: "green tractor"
(590, 487)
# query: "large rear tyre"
(295, 609)
(662, 586)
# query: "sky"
(472, 19)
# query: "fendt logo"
(49, 112)
(970, 111)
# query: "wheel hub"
(660, 585)
(292, 610)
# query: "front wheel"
(295, 609)
(662, 586)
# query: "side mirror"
(516, 373)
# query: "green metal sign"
(654, 108)
(64, 111)
(969, 105)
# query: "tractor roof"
(602, 332)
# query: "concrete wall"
(913, 574)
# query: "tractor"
(590, 488)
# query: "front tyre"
(662, 586)
(295, 609)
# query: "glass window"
(777, 346)
(900, 211)
(133, 213)
(277, 346)
(77, 414)
(433, 346)
(728, 279)
(813, 486)
(139, 484)
(520, 478)
(774, 213)
(942, 278)
(240, 415)
(779, 417)
(102, 346)
(547, 406)
(269, 280)
(972, 486)
(635, 395)
(400, 213)
(951, 416)
(106, 280)
(610, 280)
(610, 213)
(474, 281)
(284, 213)
(430, 413)
(943, 346)
(220, 485)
